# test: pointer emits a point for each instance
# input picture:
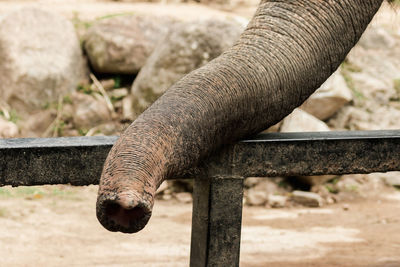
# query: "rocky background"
(63, 74)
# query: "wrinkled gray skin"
(288, 50)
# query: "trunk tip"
(122, 214)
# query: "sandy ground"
(56, 226)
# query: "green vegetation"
(86, 24)
(67, 99)
(85, 88)
(117, 81)
(346, 69)
(83, 132)
(396, 85)
(352, 188)
(36, 192)
(331, 188)
(80, 24)
(115, 15)
(11, 115)
(3, 212)
(59, 127)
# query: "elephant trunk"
(287, 51)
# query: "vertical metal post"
(216, 221)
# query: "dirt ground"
(57, 226)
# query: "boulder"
(301, 121)
(188, 46)
(329, 98)
(256, 197)
(8, 129)
(391, 178)
(308, 199)
(377, 38)
(89, 111)
(38, 123)
(263, 190)
(122, 44)
(184, 197)
(277, 201)
(40, 58)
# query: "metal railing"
(218, 186)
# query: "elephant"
(289, 48)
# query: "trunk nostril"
(123, 216)
(123, 213)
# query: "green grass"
(37, 192)
(13, 115)
(84, 88)
(331, 189)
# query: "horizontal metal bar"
(64, 160)
(323, 136)
(79, 160)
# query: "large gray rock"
(40, 58)
(262, 191)
(89, 111)
(372, 67)
(187, 47)
(308, 199)
(123, 44)
(329, 98)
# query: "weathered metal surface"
(216, 222)
(287, 154)
(79, 160)
(36, 161)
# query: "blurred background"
(86, 68)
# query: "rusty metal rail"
(218, 190)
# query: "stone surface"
(184, 197)
(89, 111)
(301, 121)
(373, 70)
(256, 197)
(118, 93)
(8, 129)
(329, 98)
(277, 201)
(122, 44)
(38, 123)
(127, 109)
(40, 58)
(187, 47)
(252, 181)
(261, 189)
(391, 178)
(108, 84)
(163, 186)
(308, 199)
